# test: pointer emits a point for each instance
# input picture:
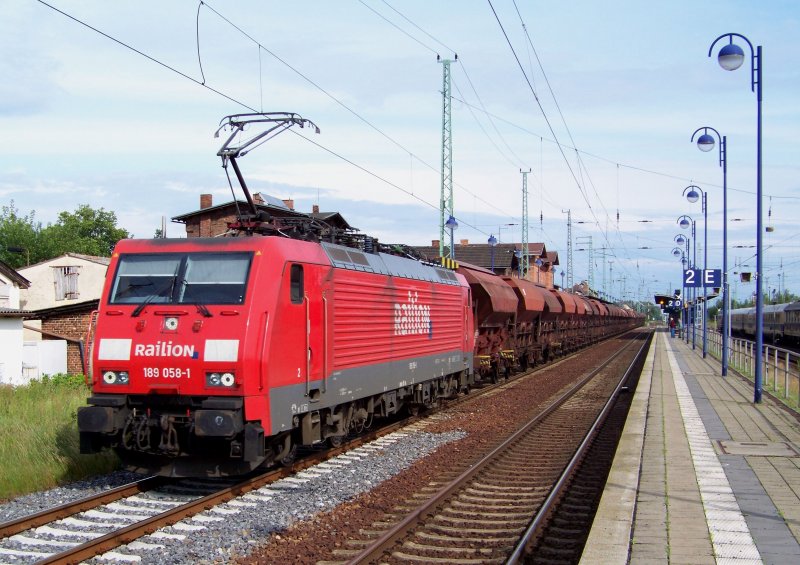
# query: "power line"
(203, 84)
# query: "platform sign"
(712, 277)
(699, 278)
(692, 278)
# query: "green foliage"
(19, 235)
(86, 231)
(774, 298)
(39, 444)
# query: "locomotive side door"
(316, 295)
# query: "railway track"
(74, 532)
(86, 528)
(483, 515)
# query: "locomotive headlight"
(116, 377)
(222, 380)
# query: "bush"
(39, 441)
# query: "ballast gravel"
(36, 502)
(233, 529)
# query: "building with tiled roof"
(212, 220)
(500, 258)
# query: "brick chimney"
(257, 198)
(206, 201)
(315, 209)
(289, 203)
(435, 243)
(464, 242)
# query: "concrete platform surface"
(702, 475)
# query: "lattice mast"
(569, 248)
(587, 241)
(526, 259)
(446, 208)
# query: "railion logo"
(412, 318)
(164, 349)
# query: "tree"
(87, 231)
(23, 240)
(18, 237)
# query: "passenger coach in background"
(781, 322)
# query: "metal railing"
(781, 369)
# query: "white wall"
(45, 357)
(9, 294)
(11, 351)
(42, 294)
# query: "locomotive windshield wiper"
(158, 293)
(138, 310)
(203, 310)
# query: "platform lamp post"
(683, 242)
(492, 241)
(705, 142)
(562, 278)
(452, 225)
(518, 255)
(693, 193)
(730, 58)
(684, 222)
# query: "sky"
(598, 100)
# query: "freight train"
(781, 322)
(213, 356)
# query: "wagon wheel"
(288, 460)
(335, 441)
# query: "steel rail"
(390, 537)
(538, 523)
(52, 514)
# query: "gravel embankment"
(235, 528)
(38, 501)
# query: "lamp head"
(692, 196)
(451, 223)
(730, 57)
(705, 142)
(684, 223)
(680, 240)
(492, 241)
(676, 252)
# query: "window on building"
(66, 282)
(5, 295)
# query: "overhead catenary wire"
(201, 81)
(345, 106)
(247, 106)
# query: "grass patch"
(39, 445)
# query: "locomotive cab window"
(296, 279)
(181, 278)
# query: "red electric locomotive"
(213, 356)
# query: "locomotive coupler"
(169, 435)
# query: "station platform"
(702, 475)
